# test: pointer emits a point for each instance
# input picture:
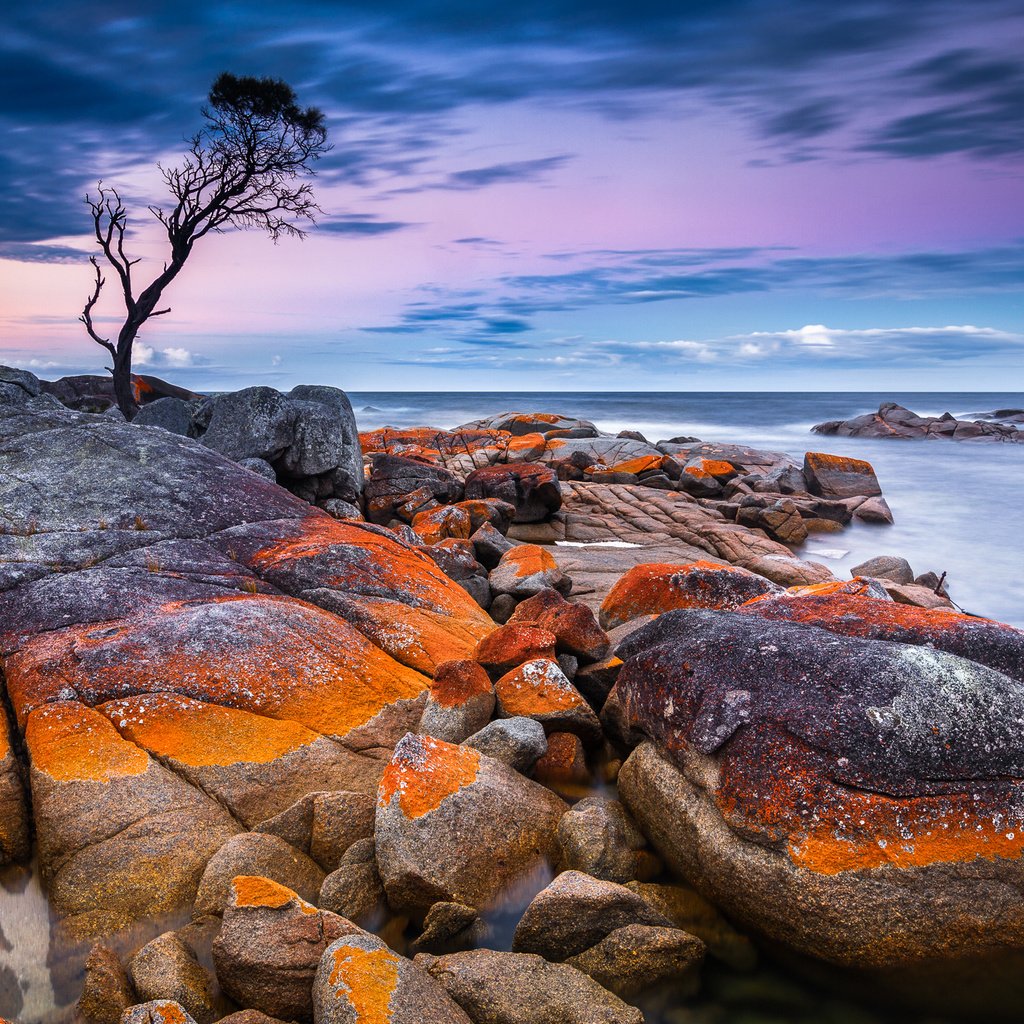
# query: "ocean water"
(958, 506)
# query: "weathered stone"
(392, 477)
(894, 421)
(512, 645)
(576, 912)
(270, 946)
(836, 476)
(520, 988)
(432, 791)
(360, 980)
(449, 927)
(563, 767)
(106, 989)
(888, 567)
(489, 545)
(166, 969)
(14, 827)
(517, 742)
(437, 524)
(635, 958)
(354, 890)
(255, 853)
(532, 490)
(575, 628)
(461, 701)
(599, 837)
(339, 820)
(169, 413)
(874, 510)
(539, 689)
(160, 1011)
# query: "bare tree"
(242, 171)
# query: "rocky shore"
(303, 724)
(894, 420)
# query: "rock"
(563, 767)
(519, 424)
(166, 969)
(392, 477)
(835, 476)
(437, 524)
(789, 571)
(27, 383)
(599, 837)
(850, 799)
(461, 702)
(492, 512)
(690, 912)
(575, 628)
(576, 912)
(516, 742)
(449, 927)
(361, 980)
(894, 421)
(596, 681)
(254, 853)
(539, 689)
(248, 1017)
(159, 1011)
(15, 840)
(527, 569)
(513, 645)
(170, 413)
(920, 597)
(888, 567)
(339, 820)
(531, 489)
(432, 791)
(630, 961)
(106, 990)
(874, 510)
(520, 988)
(260, 467)
(653, 588)
(354, 890)
(502, 607)
(270, 945)
(338, 509)
(489, 545)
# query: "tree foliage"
(244, 169)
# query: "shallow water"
(958, 506)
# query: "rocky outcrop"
(855, 800)
(895, 421)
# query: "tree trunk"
(124, 393)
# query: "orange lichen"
(529, 559)
(643, 464)
(437, 524)
(659, 587)
(257, 891)
(455, 682)
(511, 645)
(73, 743)
(168, 1012)
(530, 443)
(711, 467)
(424, 772)
(274, 656)
(538, 687)
(838, 463)
(199, 734)
(430, 442)
(366, 978)
(564, 761)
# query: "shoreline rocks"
(895, 421)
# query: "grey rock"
(166, 969)
(159, 1011)
(355, 890)
(885, 567)
(260, 467)
(490, 544)
(172, 414)
(518, 742)
(450, 927)
(599, 837)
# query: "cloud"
(515, 172)
(361, 225)
(168, 358)
(27, 252)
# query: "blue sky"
(565, 195)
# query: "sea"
(958, 505)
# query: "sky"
(565, 195)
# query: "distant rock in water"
(370, 408)
(894, 420)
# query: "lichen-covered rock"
(255, 853)
(654, 588)
(855, 800)
(14, 827)
(635, 958)
(531, 489)
(563, 767)
(837, 476)
(159, 1011)
(461, 701)
(354, 889)
(392, 477)
(437, 524)
(517, 742)
(165, 968)
(575, 912)
(489, 545)
(521, 988)
(540, 690)
(360, 981)
(512, 645)
(438, 806)
(575, 628)
(519, 424)
(526, 570)
(270, 945)
(599, 837)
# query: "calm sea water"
(959, 507)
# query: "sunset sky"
(581, 195)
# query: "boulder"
(511, 645)
(521, 988)
(432, 792)
(632, 960)
(461, 701)
(599, 837)
(255, 853)
(442, 523)
(360, 980)
(354, 889)
(654, 588)
(539, 689)
(887, 567)
(563, 767)
(575, 628)
(836, 476)
(526, 570)
(531, 489)
(517, 742)
(339, 820)
(165, 968)
(519, 424)
(492, 512)
(489, 544)
(159, 1011)
(575, 912)
(853, 800)
(393, 477)
(106, 989)
(449, 927)
(15, 842)
(172, 414)
(270, 945)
